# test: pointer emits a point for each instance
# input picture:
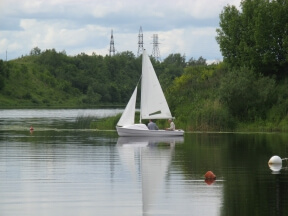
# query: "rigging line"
(140, 100)
(139, 80)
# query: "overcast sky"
(183, 26)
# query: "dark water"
(65, 171)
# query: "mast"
(143, 53)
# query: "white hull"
(140, 130)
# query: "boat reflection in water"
(148, 141)
(148, 159)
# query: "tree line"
(94, 79)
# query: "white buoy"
(275, 160)
(275, 164)
(275, 168)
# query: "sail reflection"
(148, 159)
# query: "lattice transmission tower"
(156, 51)
(112, 48)
(140, 42)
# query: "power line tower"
(112, 48)
(156, 51)
(140, 42)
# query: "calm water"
(60, 170)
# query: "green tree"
(246, 94)
(194, 101)
(2, 74)
(173, 66)
(256, 36)
(92, 97)
(35, 51)
(175, 59)
(194, 62)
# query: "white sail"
(153, 102)
(128, 115)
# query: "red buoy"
(210, 175)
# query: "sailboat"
(153, 106)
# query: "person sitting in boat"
(152, 125)
(172, 125)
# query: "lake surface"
(61, 170)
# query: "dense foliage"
(51, 78)
(256, 36)
(249, 87)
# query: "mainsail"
(153, 102)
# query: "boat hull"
(141, 130)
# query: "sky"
(187, 27)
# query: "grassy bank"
(109, 123)
(263, 126)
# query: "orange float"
(210, 175)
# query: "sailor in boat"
(172, 125)
(152, 125)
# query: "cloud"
(184, 26)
